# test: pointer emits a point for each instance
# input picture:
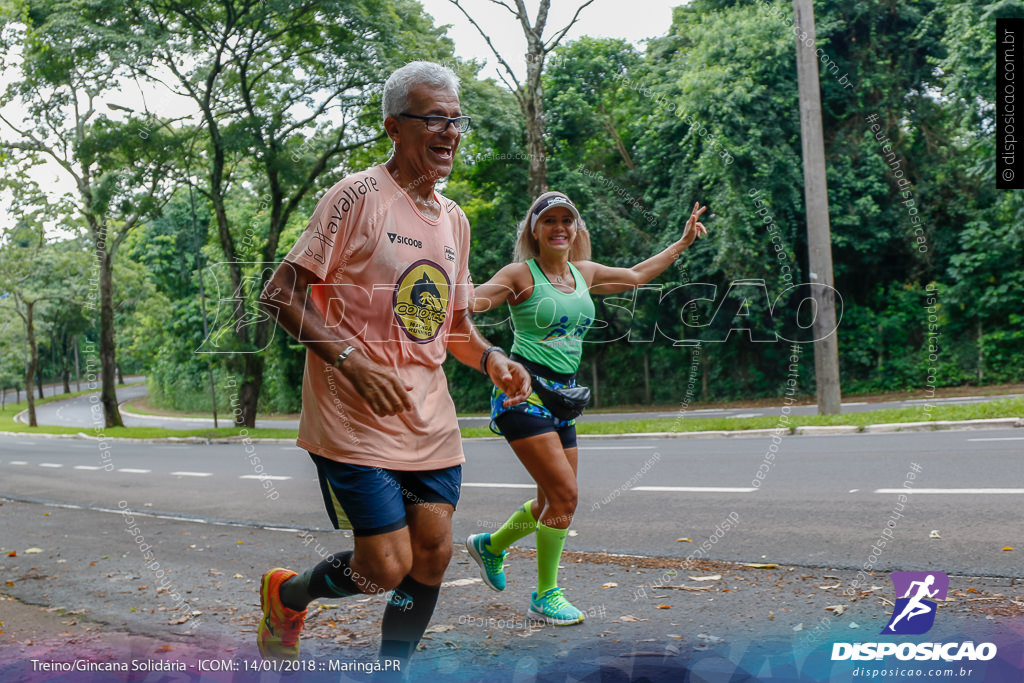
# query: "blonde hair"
(527, 246)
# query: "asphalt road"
(823, 501)
(79, 412)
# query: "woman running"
(548, 291)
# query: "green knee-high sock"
(549, 551)
(520, 524)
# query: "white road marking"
(694, 489)
(26, 443)
(858, 403)
(191, 474)
(954, 491)
(19, 462)
(498, 486)
(88, 467)
(129, 470)
(50, 464)
(733, 417)
(270, 477)
(1000, 438)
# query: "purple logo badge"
(914, 612)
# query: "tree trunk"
(39, 383)
(981, 356)
(78, 373)
(120, 375)
(705, 365)
(33, 362)
(249, 390)
(108, 349)
(533, 110)
(65, 364)
(647, 379)
(593, 383)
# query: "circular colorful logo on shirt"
(421, 300)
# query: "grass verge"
(973, 411)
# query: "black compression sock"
(332, 578)
(406, 617)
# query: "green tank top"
(550, 325)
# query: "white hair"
(401, 81)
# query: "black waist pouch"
(566, 403)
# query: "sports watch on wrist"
(487, 352)
(342, 356)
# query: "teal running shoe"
(553, 608)
(492, 569)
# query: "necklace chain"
(558, 278)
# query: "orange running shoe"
(278, 632)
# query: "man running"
(385, 259)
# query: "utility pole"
(819, 236)
(202, 300)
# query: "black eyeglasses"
(439, 124)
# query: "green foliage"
(707, 111)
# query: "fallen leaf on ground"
(440, 628)
(828, 588)
(757, 565)
(709, 577)
(237, 576)
(685, 588)
(33, 551)
(799, 627)
(13, 553)
(1006, 547)
(683, 540)
(664, 606)
(182, 620)
(629, 618)
(163, 648)
(838, 609)
(610, 584)
(934, 534)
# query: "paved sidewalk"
(648, 617)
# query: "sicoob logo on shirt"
(421, 300)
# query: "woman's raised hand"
(694, 228)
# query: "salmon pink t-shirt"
(390, 282)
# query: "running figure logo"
(914, 613)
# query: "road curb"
(820, 430)
(983, 423)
